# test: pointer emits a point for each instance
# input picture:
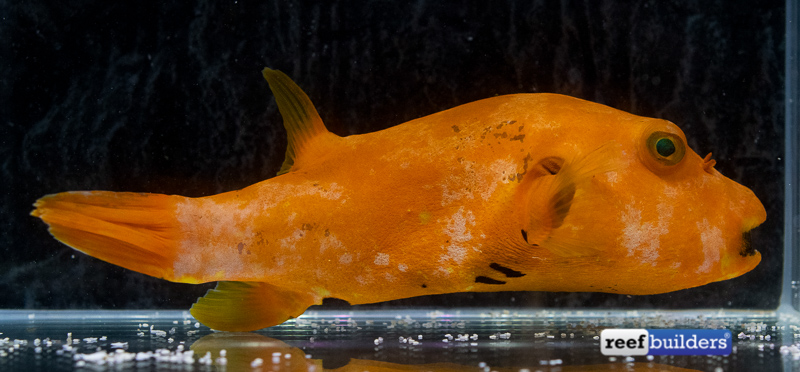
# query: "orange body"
(537, 192)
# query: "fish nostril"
(708, 163)
(747, 247)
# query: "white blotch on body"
(469, 180)
(280, 192)
(499, 172)
(213, 230)
(713, 243)
(402, 267)
(201, 257)
(612, 177)
(346, 258)
(643, 238)
(382, 259)
(421, 145)
(670, 192)
(362, 280)
(457, 229)
(289, 242)
(329, 241)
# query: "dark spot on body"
(260, 239)
(519, 137)
(525, 235)
(524, 167)
(327, 232)
(509, 273)
(248, 252)
(424, 285)
(501, 135)
(455, 128)
(307, 227)
(488, 280)
(240, 247)
(485, 132)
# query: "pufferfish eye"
(666, 148)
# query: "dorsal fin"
(300, 118)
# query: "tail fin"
(132, 230)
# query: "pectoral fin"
(552, 197)
(248, 306)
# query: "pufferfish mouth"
(747, 247)
(748, 224)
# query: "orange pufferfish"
(523, 192)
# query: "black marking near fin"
(525, 235)
(509, 273)
(488, 280)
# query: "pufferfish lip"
(748, 224)
(747, 247)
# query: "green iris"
(665, 147)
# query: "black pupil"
(665, 147)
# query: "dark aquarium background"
(168, 97)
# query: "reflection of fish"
(243, 349)
(535, 192)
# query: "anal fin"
(249, 306)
